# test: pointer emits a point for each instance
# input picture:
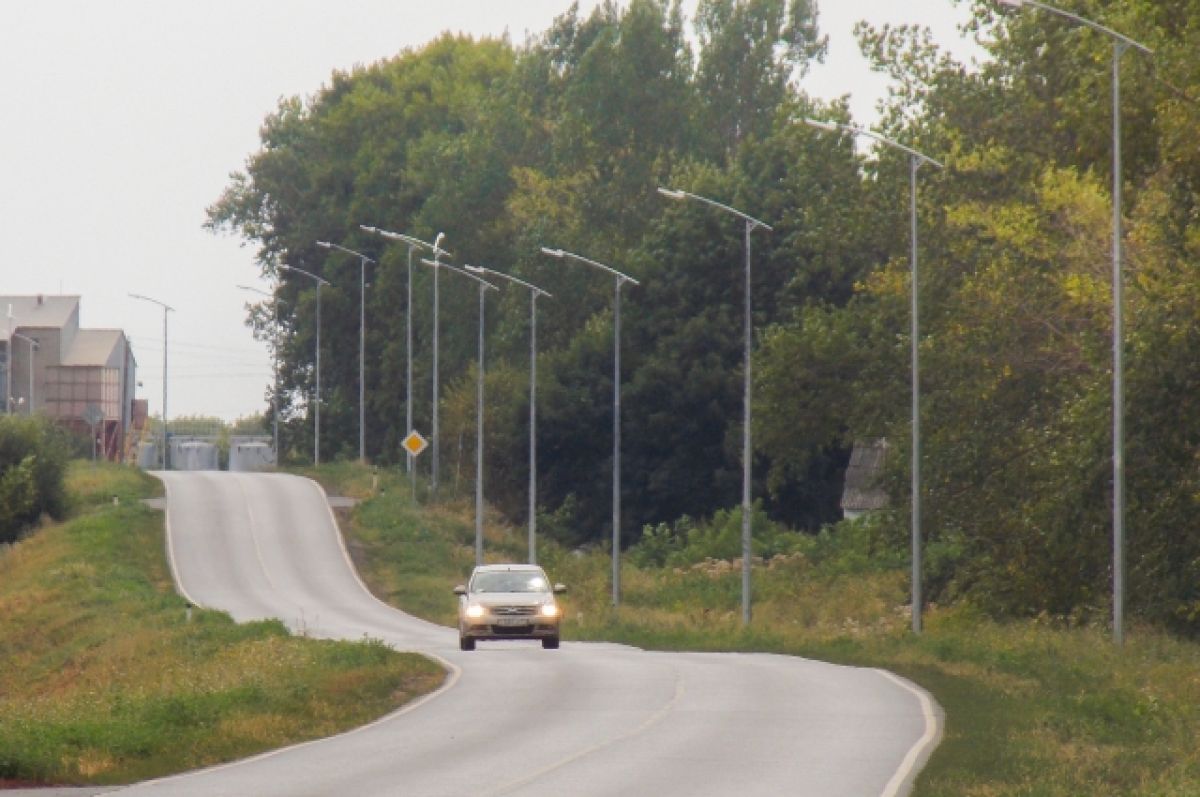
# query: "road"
(513, 719)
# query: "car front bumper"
(492, 628)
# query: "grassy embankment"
(104, 679)
(1034, 708)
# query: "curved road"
(588, 719)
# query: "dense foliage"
(33, 461)
(562, 141)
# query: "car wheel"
(550, 642)
(466, 643)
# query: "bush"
(33, 460)
(687, 541)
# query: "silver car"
(508, 602)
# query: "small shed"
(862, 491)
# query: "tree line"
(562, 141)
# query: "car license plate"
(512, 621)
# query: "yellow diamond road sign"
(414, 443)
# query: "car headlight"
(549, 610)
(475, 611)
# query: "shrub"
(687, 541)
(33, 460)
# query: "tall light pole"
(748, 334)
(436, 263)
(33, 346)
(362, 343)
(275, 393)
(916, 161)
(166, 309)
(534, 292)
(1121, 43)
(413, 244)
(317, 399)
(621, 279)
(484, 286)
(8, 369)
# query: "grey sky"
(122, 121)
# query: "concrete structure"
(147, 456)
(83, 378)
(251, 454)
(194, 454)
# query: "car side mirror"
(460, 590)
(560, 589)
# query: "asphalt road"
(587, 719)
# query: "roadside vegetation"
(563, 139)
(33, 459)
(1044, 706)
(106, 677)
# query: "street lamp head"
(324, 244)
(369, 228)
(671, 193)
(396, 236)
(829, 127)
(437, 242)
(1012, 3)
(553, 252)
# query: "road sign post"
(414, 444)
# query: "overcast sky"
(122, 120)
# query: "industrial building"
(82, 378)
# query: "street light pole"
(534, 292)
(317, 424)
(412, 243)
(166, 309)
(484, 286)
(747, 342)
(916, 161)
(8, 369)
(275, 393)
(1121, 43)
(621, 279)
(362, 342)
(436, 263)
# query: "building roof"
(862, 491)
(37, 312)
(94, 347)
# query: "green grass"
(104, 678)
(1033, 707)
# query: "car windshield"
(509, 581)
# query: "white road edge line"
(453, 675)
(171, 546)
(350, 562)
(453, 670)
(916, 754)
(893, 788)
